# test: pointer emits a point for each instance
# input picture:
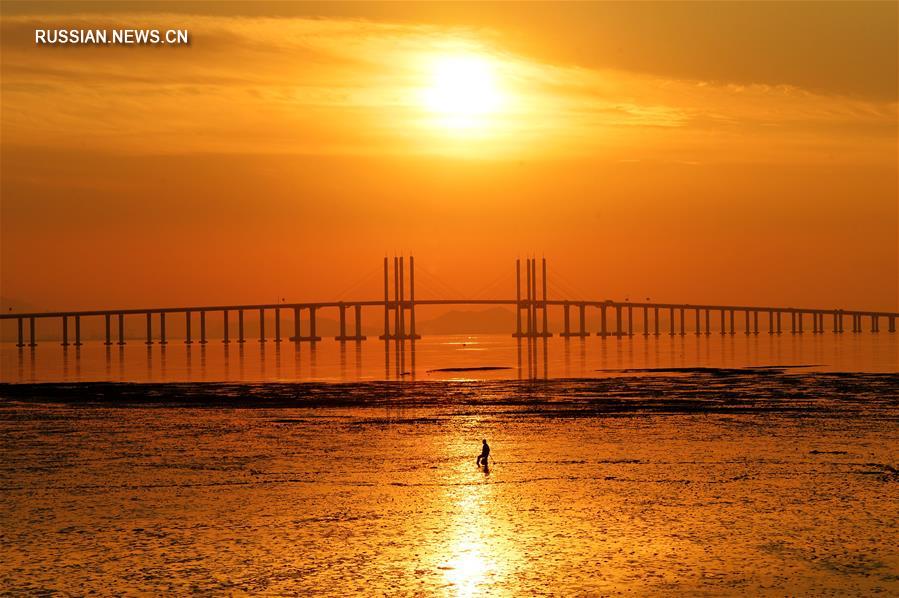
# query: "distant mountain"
(12, 305)
(489, 321)
(495, 320)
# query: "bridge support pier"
(582, 321)
(225, 338)
(770, 322)
(261, 325)
(746, 323)
(162, 340)
(778, 322)
(187, 337)
(708, 322)
(603, 332)
(297, 336)
(671, 321)
(698, 323)
(645, 321)
(77, 331)
(341, 309)
(65, 331)
(683, 322)
(582, 318)
(723, 327)
(149, 329)
(875, 323)
(630, 320)
(656, 321)
(240, 338)
(107, 326)
(21, 336)
(32, 342)
(359, 336)
(891, 326)
(121, 329)
(618, 331)
(755, 322)
(202, 327)
(312, 335)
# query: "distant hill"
(11, 305)
(494, 320)
(489, 321)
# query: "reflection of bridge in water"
(616, 318)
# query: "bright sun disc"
(462, 89)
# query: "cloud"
(326, 86)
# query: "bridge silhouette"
(616, 318)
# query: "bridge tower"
(531, 304)
(400, 307)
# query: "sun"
(463, 91)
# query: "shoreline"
(752, 392)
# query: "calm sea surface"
(351, 469)
(373, 360)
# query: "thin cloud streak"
(343, 86)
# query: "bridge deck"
(461, 302)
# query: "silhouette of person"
(485, 453)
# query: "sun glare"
(463, 91)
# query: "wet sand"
(706, 483)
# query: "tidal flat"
(774, 481)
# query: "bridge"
(398, 305)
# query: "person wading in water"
(485, 453)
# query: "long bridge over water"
(616, 318)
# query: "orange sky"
(690, 152)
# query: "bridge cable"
(440, 286)
(371, 275)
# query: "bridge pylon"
(401, 306)
(531, 304)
